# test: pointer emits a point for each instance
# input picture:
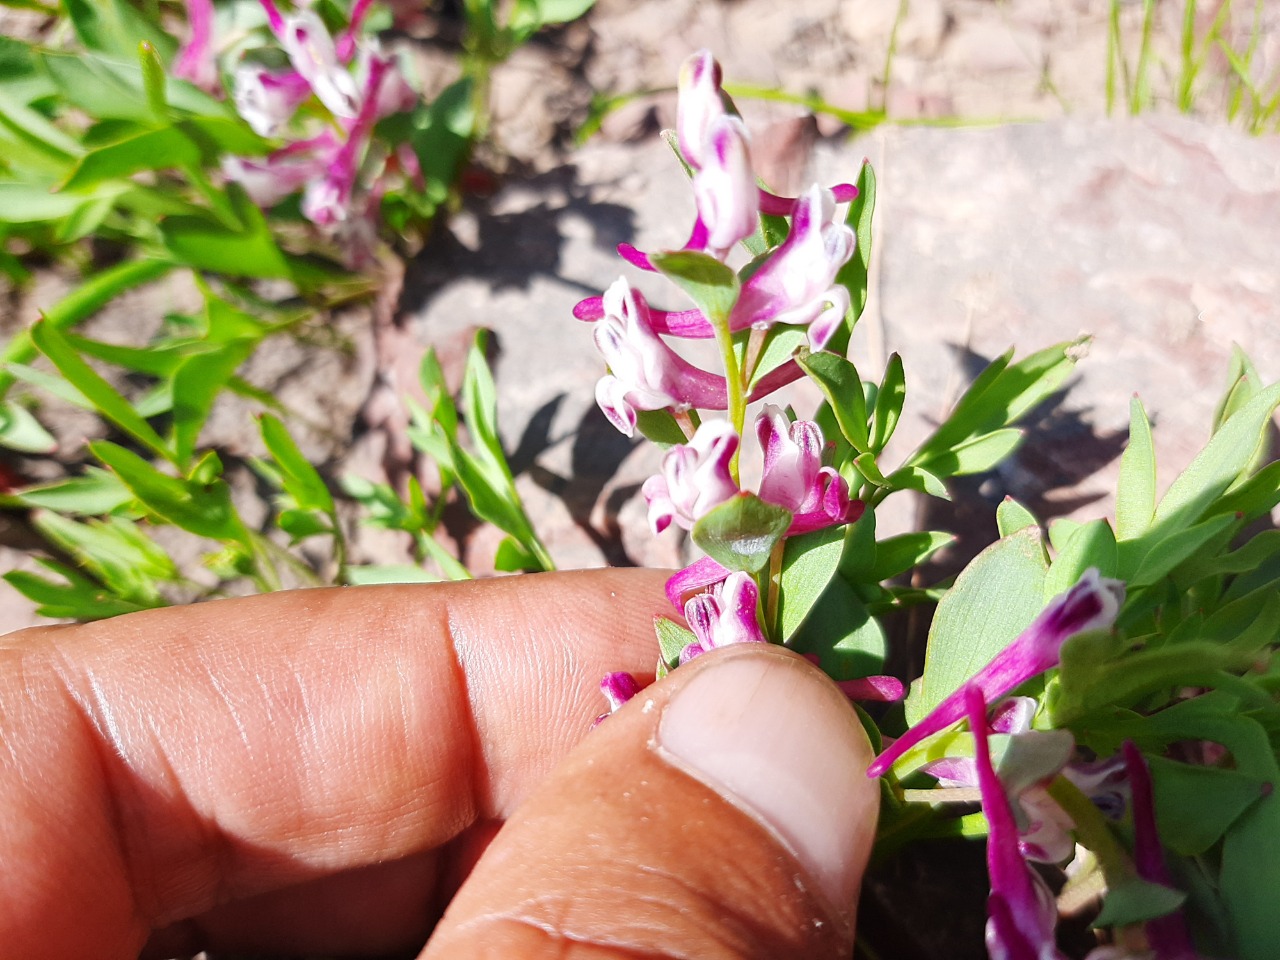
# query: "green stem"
(733, 382)
(1092, 830)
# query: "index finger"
(160, 763)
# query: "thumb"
(723, 813)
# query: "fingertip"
(723, 812)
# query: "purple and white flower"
(695, 477)
(268, 99)
(644, 373)
(796, 284)
(1021, 913)
(1092, 604)
(195, 61)
(724, 615)
(794, 476)
(724, 188)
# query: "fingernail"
(772, 736)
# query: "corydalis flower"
(312, 53)
(794, 476)
(617, 688)
(645, 374)
(267, 99)
(725, 615)
(1167, 936)
(1044, 828)
(695, 477)
(796, 284)
(724, 189)
(1091, 604)
(1021, 910)
(195, 62)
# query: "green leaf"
(123, 559)
(1166, 554)
(202, 509)
(1243, 384)
(366, 574)
(809, 562)
(672, 639)
(897, 555)
(855, 275)
(562, 11)
(1011, 516)
(1196, 805)
(839, 382)
(20, 430)
(512, 557)
(160, 149)
(1000, 395)
(115, 27)
(96, 390)
(741, 532)
(252, 252)
(197, 382)
(92, 294)
(890, 396)
(781, 344)
(1256, 496)
(1134, 900)
(300, 479)
(711, 285)
(975, 455)
(1136, 488)
(1224, 458)
(1092, 544)
(301, 523)
(660, 427)
(96, 492)
(153, 80)
(917, 478)
(993, 600)
(480, 401)
(847, 640)
(76, 598)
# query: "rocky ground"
(1156, 235)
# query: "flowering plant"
(1106, 694)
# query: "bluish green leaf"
(1166, 554)
(897, 555)
(1195, 805)
(993, 600)
(115, 27)
(21, 431)
(839, 382)
(741, 532)
(1136, 488)
(1243, 384)
(711, 285)
(890, 396)
(1134, 900)
(809, 562)
(1224, 458)
(1011, 516)
(847, 640)
(1091, 545)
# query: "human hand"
(326, 771)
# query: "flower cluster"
(794, 284)
(346, 77)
